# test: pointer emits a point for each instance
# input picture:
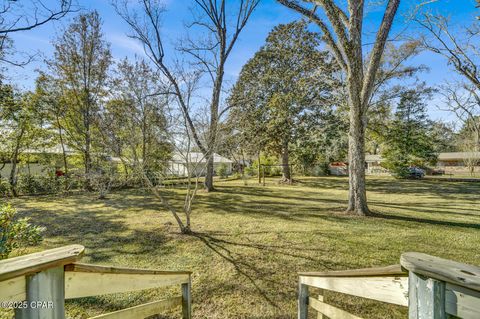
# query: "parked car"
(415, 172)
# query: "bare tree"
(135, 135)
(459, 46)
(223, 25)
(17, 16)
(343, 33)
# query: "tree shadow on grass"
(257, 267)
(456, 190)
(425, 187)
(104, 234)
(262, 204)
(425, 220)
(447, 208)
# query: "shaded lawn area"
(250, 240)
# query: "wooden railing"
(431, 288)
(37, 285)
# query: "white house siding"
(197, 164)
(34, 169)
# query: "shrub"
(270, 167)
(35, 185)
(250, 171)
(16, 233)
(4, 188)
(236, 175)
(222, 170)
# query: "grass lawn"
(250, 241)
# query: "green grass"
(250, 241)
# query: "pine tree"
(409, 139)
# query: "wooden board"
(46, 288)
(143, 311)
(393, 270)
(79, 267)
(450, 271)
(462, 302)
(426, 297)
(329, 310)
(187, 300)
(13, 289)
(302, 301)
(33, 263)
(387, 289)
(84, 284)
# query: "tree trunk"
(357, 200)
(209, 174)
(286, 173)
(14, 160)
(87, 155)
(62, 144)
(13, 176)
(259, 169)
(88, 166)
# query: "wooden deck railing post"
(302, 301)
(426, 297)
(45, 296)
(320, 298)
(187, 299)
(440, 287)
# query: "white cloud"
(123, 42)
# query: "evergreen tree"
(287, 79)
(80, 68)
(409, 138)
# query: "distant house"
(31, 163)
(373, 165)
(338, 169)
(450, 162)
(196, 164)
(458, 159)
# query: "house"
(338, 169)
(35, 162)
(373, 165)
(196, 164)
(458, 160)
(450, 162)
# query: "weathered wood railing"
(37, 285)
(431, 287)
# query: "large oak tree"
(344, 34)
(286, 81)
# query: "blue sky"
(267, 15)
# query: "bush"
(4, 188)
(237, 175)
(16, 233)
(222, 170)
(250, 171)
(269, 163)
(35, 185)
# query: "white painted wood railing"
(37, 285)
(431, 287)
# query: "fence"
(431, 288)
(37, 285)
